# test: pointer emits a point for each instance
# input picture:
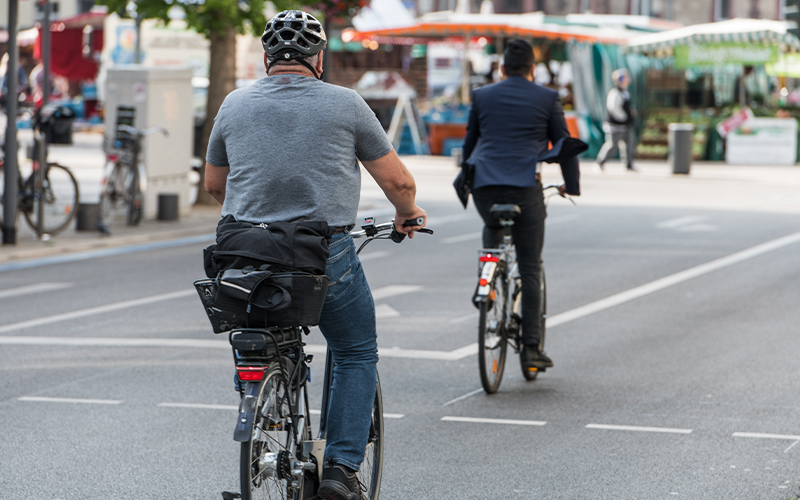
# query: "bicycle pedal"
(537, 370)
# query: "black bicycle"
(498, 298)
(59, 196)
(279, 457)
(125, 179)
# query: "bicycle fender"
(487, 276)
(247, 413)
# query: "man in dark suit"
(510, 125)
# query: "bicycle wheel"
(114, 193)
(532, 374)
(492, 344)
(61, 197)
(135, 198)
(265, 465)
(371, 470)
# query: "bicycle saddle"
(505, 212)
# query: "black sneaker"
(339, 483)
(532, 357)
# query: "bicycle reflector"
(488, 258)
(251, 373)
(113, 158)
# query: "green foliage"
(206, 16)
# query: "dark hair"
(518, 58)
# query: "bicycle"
(279, 458)
(499, 319)
(125, 180)
(59, 191)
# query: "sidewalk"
(712, 186)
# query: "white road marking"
(198, 406)
(81, 313)
(493, 421)
(32, 289)
(394, 290)
(461, 238)
(456, 354)
(462, 319)
(638, 429)
(37, 399)
(688, 224)
(758, 435)
(236, 408)
(681, 221)
(673, 279)
(465, 396)
(114, 342)
(385, 311)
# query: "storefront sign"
(728, 125)
(786, 65)
(687, 56)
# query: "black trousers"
(528, 234)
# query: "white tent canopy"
(754, 31)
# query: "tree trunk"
(221, 82)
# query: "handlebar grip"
(414, 222)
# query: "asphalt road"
(681, 385)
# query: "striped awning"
(752, 31)
(440, 25)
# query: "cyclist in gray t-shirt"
(287, 149)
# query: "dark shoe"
(532, 357)
(631, 168)
(339, 483)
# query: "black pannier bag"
(265, 275)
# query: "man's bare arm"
(216, 179)
(399, 187)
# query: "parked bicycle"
(279, 457)
(498, 298)
(125, 180)
(59, 195)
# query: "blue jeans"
(348, 324)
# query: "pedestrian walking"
(618, 126)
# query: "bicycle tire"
(492, 343)
(272, 433)
(61, 200)
(113, 196)
(371, 472)
(136, 200)
(529, 374)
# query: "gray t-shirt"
(292, 144)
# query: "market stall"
(487, 31)
(707, 72)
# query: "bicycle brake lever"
(397, 237)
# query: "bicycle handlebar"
(378, 232)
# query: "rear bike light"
(488, 258)
(251, 373)
(483, 282)
(113, 158)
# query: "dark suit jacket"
(510, 124)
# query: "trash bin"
(680, 147)
(57, 120)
